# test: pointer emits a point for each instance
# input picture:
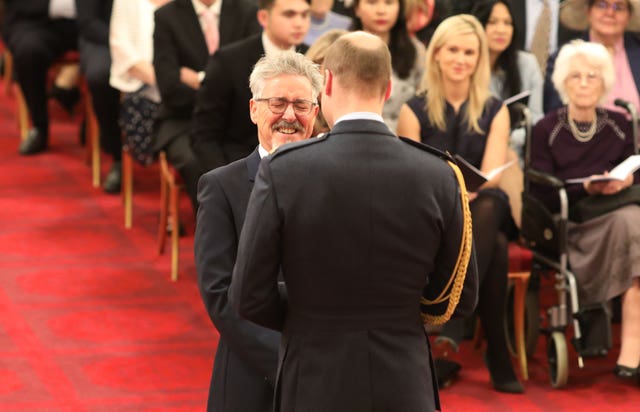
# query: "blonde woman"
(455, 112)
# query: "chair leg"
(127, 188)
(521, 281)
(93, 138)
(164, 204)
(7, 75)
(175, 244)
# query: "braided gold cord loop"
(456, 281)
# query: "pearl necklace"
(580, 135)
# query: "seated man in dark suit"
(95, 62)
(180, 56)
(37, 32)
(222, 130)
(360, 224)
(246, 359)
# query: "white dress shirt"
(200, 8)
(360, 116)
(62, 9)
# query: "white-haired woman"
(608, 22)
(582, 139)
(456, 113)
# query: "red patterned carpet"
(91, 322)
(89, 318)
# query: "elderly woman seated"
(582, 139)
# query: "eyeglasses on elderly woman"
(618, 6)
(590, 77)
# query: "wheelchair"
(545, 235)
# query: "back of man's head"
(360, 63)
(268, 4)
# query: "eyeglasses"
(618, 7)
(589, 77)
(278, 105)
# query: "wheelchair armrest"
(544, 179)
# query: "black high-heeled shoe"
(68, 98)
(503, 380)
(626, 373)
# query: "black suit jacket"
(247, 355)
(519, 10)
(361, 224)
(24, 9)
(222, 130)
(179, 41)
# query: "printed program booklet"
(620, 172)
(474, 178)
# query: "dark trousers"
(95, 62)
(35, 45)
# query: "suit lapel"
(228, 20)
(191, 25)
(253, 161)
(632, 48)
(255, 49)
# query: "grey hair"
(596, 55)
(287, 62)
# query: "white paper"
(516, 97)
(620, 172)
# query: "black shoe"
(446, 371)
(503, 379)
(628, 374)
(68, 98)
(34, 143)
(113, 181)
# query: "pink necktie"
(211, 34)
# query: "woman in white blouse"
(131, 43)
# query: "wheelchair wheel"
(531, 322)
(558, 359)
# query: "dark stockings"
(489, 214)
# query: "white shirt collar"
(262, 152)
(270, 47)
(360, 116)
(200, 7)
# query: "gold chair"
(127, 188)
(520, 281)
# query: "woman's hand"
(607, 187)
(144, 72)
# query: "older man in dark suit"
(181, 51)
(361, 224)
(246, 359)
(221, 130)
